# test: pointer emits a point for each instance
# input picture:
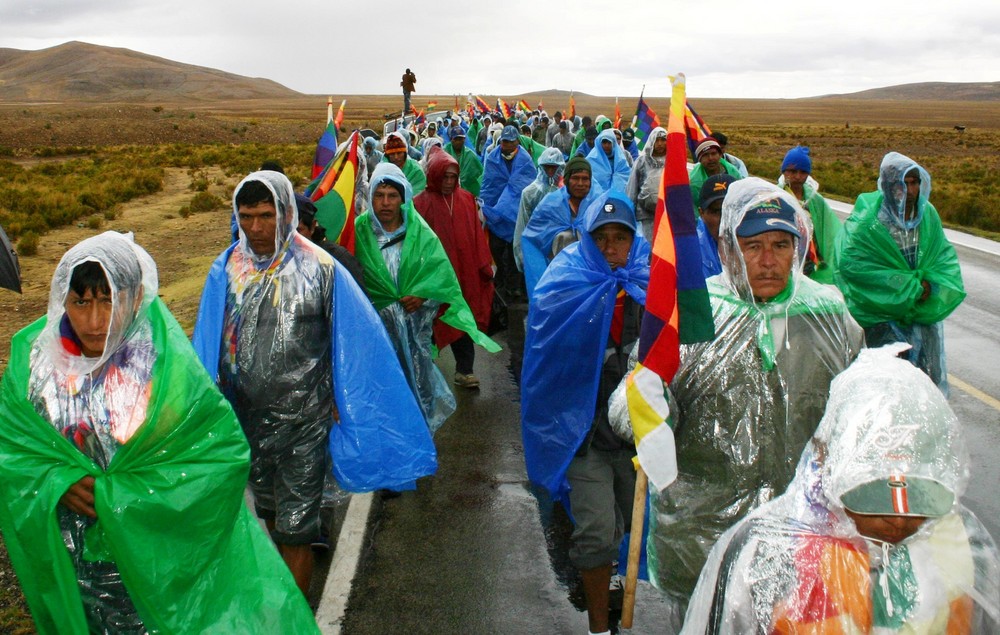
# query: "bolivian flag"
(333, 193)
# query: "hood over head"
(287, 215)
(891, 175)
(438, 161)
(389, 172)
(132, 277)
(745, 195)
(551, 156)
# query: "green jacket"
(424, 272)
(170, 506)
(826, 230)
(470, 169)
(413, 173)
(698, 176)
(879, 284)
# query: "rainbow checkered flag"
(696, 128)
(333, 192)
(677, 306)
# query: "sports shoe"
(466, 381)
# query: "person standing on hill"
(897, 270)
(409, 84)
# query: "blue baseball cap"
(614, 210)
(509, 133)
(774, 214)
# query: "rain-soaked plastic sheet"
(799, 564)
(746, 402)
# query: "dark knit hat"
(577, 164)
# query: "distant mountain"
(88, 72)
(939, 91)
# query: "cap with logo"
(715, 188)
(509, 133)
(614, 210)
(774, 214)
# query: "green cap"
(900, 495)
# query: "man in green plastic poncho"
(409, 279)
(710, 162)
(748, 401)
(469, 165)
(122, 468)
(796, 169)
(899, 274)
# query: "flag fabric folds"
(504, 108)
(695, 127)
(326, 147)
(482, 105)
(572, 107)
(678, 309)
(333, 192)
(644, 122)
(431, 105)
(618, 115)
(523, 105)
(339, 119)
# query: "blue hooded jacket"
(503, 183)
(610, 173)
(570, 319)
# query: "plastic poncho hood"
(743, 195)
(892, 173)
(610, 173)
(798, 564)
(287, 217)
(570, 318)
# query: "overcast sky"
(762, 48)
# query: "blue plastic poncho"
(381, 440)
(710, 263)
(551, 216)
(534, 193)
(570, 318)
(503, 182)
(609, 172)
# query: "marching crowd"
(819, 467)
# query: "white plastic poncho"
(748, 401)
(799, 565)
(643, 186)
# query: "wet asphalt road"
(476, 550)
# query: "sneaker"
(466, 381)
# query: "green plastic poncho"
(874, 275)
(697, 177)
(470, 168)
(170, 508)
(826, 231)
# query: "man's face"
(387, 204)
(508, 147)
(397, 158)
(712, 217)
(709, 159)
(660, 146)
(912, 182)
(615, 241)
(607, 146)
(768, 259)
(90, 317)
(887, 528)
(260, 223)
(449, 180)
(458, 144)
(306, 229)
(795, 178)
(550, 170)
(579, 184)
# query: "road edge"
(347, 555)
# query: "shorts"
(602, 488)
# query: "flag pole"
(634, 546)
(329, 109)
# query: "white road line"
(974, 392)
(346, 556)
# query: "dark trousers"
(465, 354)
(406, 102)
(508, 280)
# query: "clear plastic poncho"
(748, 401)
(799, 565)
(174, 548)
(534, 193)
(643, 186)
(882, 260)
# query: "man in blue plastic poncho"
(280, 325)
(557, 220)
(508, 170)
(899, 274)
(871, 536)
(611, 169)
(583, 320)
(549, 179)
(747, 402)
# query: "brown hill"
(934, 91)
(77, 71)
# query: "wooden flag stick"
(634, 546)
